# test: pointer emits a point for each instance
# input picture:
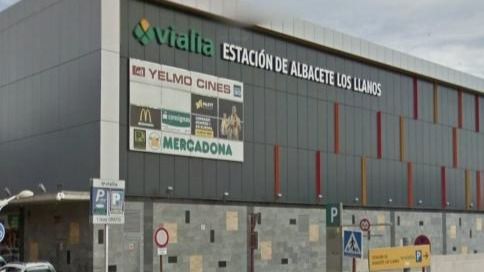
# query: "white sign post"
(107, 206)
(2, 232)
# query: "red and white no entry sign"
(365, 224)
(161, 237)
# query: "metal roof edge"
(54, 197)
(346, 44)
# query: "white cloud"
(447, 32)
(6, 3)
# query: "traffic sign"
(422, 240)
(2, 232)
(161, 237)
(107, 201)
(333, 215)
(365, 224)
(162, 251)
(352, 243)
(399, 257)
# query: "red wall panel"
(378, 134)
(409, 184)
(336, 128)
(277, 175)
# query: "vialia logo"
(190, 41)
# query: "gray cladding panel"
(299, 116)
(50, 69)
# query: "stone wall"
(208, 237)
(291, 239)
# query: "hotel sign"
(180, 112)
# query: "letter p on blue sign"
(418, 256)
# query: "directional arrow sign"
(399, 257)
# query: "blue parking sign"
(107, 201)
(2, 232)
(100, 201)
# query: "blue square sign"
(353, 243)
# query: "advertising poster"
(204, 126)
(204, 105)
(230, 114)
(175, 121)
(154, 140)
(145, 117)
(139, 139)
(184, 113)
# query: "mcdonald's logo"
(145, 117)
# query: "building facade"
(219, 129)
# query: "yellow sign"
(399, 257)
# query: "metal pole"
(405, 243)
(106, 227)
(354, 264)
(161, 263)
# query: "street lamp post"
(23, 194)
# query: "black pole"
(405, 243)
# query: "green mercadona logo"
(190, 41)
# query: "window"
(10, 269)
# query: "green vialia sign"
(190, 41)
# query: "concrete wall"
(446, 263)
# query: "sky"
(447, 32)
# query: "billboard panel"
(179, 112)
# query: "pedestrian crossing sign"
(352, 243)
